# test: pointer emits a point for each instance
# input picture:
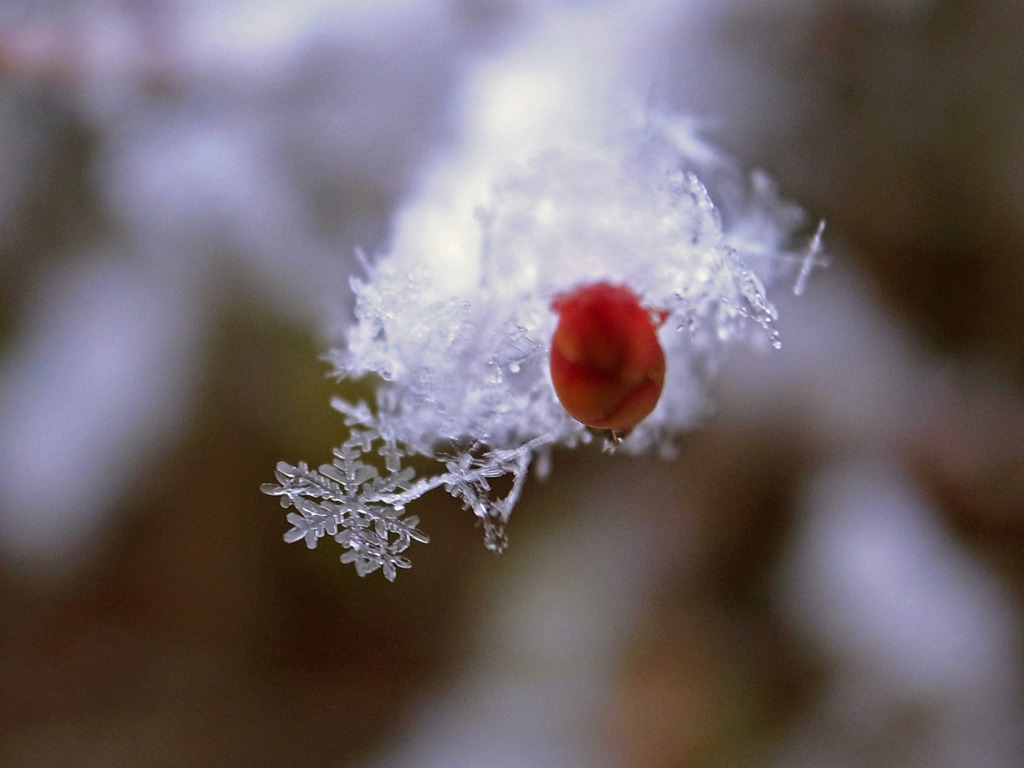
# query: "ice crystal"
(457, 329)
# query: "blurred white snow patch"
(563, 84)
(847, 370)
(266, 38)
(186, 181)
(878, 579)
(912, 625)
(91, 392)
(204, 189)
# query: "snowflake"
(457, 327)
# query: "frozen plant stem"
(363, 510)
(456, 323)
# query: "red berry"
(607, 366)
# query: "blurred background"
(830, 572)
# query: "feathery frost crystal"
(458, 332)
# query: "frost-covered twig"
(458, 331)
(363, 509)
